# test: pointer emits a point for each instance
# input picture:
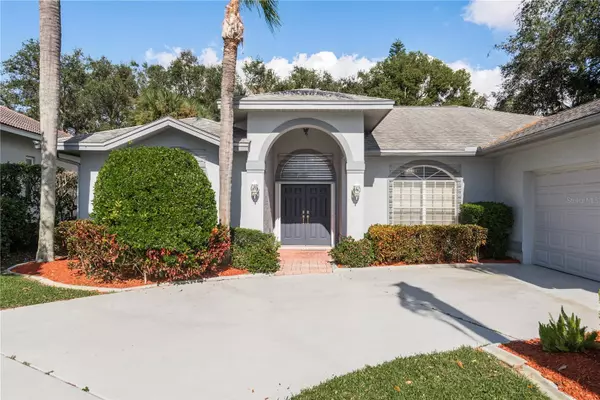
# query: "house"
(311, 165)
(20, 140)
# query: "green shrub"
(98, 253)
(255, 251)
(155, 198)
(20, 204)
(353, 253)
(497, 218)
(566, 334)
(419, 244)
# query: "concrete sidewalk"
(272, 336)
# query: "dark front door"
(306, 214)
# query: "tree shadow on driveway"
(424, 303)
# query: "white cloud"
(485, 81)
(164, 58)
(339, 67)
(495, 14)
(207, 57)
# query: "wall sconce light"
(254, 192)
(305, 131)
(355, 193)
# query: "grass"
(464, 373)
(16, 291)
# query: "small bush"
(155, 198)
(255, 251)
(566, 334)
(97, 251)
(497, 218)
(421, 244)
(353, 253)
(99, 254)
(20, 204)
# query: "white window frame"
(30, 160)
(422, 183)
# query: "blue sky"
(314, 33)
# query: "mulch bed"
(579, 376)
(59, 271)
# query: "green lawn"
(459, 374)
(16, 291)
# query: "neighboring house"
(20, 140)
(311, 166)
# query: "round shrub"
(497, 218)
(254, 250)
(155, 198)
(353, 253)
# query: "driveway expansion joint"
(50, 373)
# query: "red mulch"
(581, 377)
(59, 271)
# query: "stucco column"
(253, 212)
(355, 208)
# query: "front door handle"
(303, 216)
(308, 216)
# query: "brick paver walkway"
(304, 261)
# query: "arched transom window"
(423, 194)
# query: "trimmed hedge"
(20, 204)
(353, 253)
(254, 250)
(155, 198)
(100, 254)
(424, 244)
(497, 218)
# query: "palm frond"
(269, 9)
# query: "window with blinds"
(423, 195)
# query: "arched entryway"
(305, 185)
(303, 182)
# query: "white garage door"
(567, 221)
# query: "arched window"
(424, 194)
(306, 165)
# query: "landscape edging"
(517, 363)
(49, 282)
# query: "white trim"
(277, 228)
(69, 158)
(358, 105)
(467, 152)
(145, 130)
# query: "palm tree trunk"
(232, 34)
(50, 42)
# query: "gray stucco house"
(20, 140)
(311, 165)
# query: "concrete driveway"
(272, 336)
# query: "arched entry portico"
(302, 167)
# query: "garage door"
(567, 221)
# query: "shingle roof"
(211, 127)
(441, 128)
(543, 124)
(20, 121)
(307, 95)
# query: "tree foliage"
(97, 94)
(555, 57)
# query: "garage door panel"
(567, 222)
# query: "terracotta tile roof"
(20, 121)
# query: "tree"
(555, 57)
(414, 78)
(50, 42)
(233, 35)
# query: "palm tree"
(233, 35)
(50, 40)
